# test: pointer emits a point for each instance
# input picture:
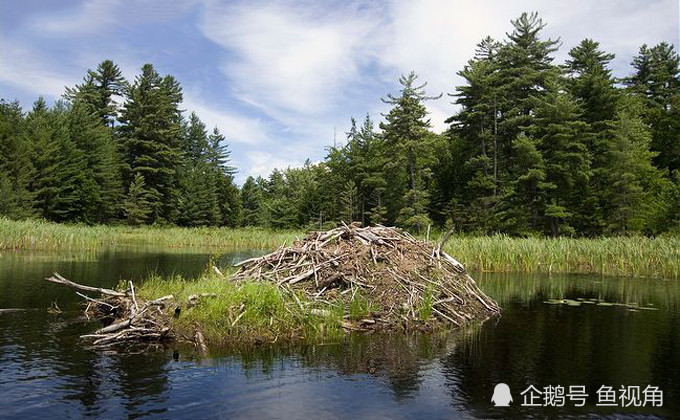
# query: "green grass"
(243, 313)
(42, 235)
(634, 256)
(425, 309)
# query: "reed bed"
(634, 256)
(43, 235)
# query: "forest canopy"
(533, 147)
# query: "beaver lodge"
(403, 283)
(406, 280)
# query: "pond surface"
(45, 371)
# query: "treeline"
(92, 159)
(535, 148)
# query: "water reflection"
(44, 368)
(22, 273)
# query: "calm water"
(44, 370)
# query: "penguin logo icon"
(501, 395)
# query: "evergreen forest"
(533, 147)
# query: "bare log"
(57, 278)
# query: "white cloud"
(23, 68)
(436, 38)
(263, 163)
(97, 16)
(286, 56)
(308, 66)
(236, 128)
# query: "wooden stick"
(57, 278)
(134, 300)
(95, 301)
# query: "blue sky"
(279, 77)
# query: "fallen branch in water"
(130, 319)
(57, 278)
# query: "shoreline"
(634, 256)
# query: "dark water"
(44, 371)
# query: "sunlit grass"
(42, 235)
(615, 256)
(243, 313)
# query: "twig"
(57, 278)
(134, 300)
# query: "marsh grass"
(634, 256)
(359, 306)
(425, 309)
(243, 313)
(43, 235)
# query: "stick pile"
(405, 279)
(130, 321)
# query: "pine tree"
(99, 89)
(349, 202)
(151, 135)
(198, 201)
(591, 82)
(44, 155)
(136, 207)
(657, 81)
(59, 181)
(279, 210)
(406, 131)
(525, 64)
(103, 185)
(477, 122)
(525, 199)
(16, 167)
(629, 170)
(228, 195)
(251, 199)
(561, 139)
(363, 159)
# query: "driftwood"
(130, 319)
(57, 278)
(405, 279)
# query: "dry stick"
(444, 316)
(159, 301)
(57, 278)
(109, 338)
(316, 296)
(134, 300)
(201, 295)
(459, 267)
(122, 324)
(95, 301)
(296, 299)
(442, 287)
(443, 241)
(238, 264)
(200, 342)
(474, 293)
(237, 318)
